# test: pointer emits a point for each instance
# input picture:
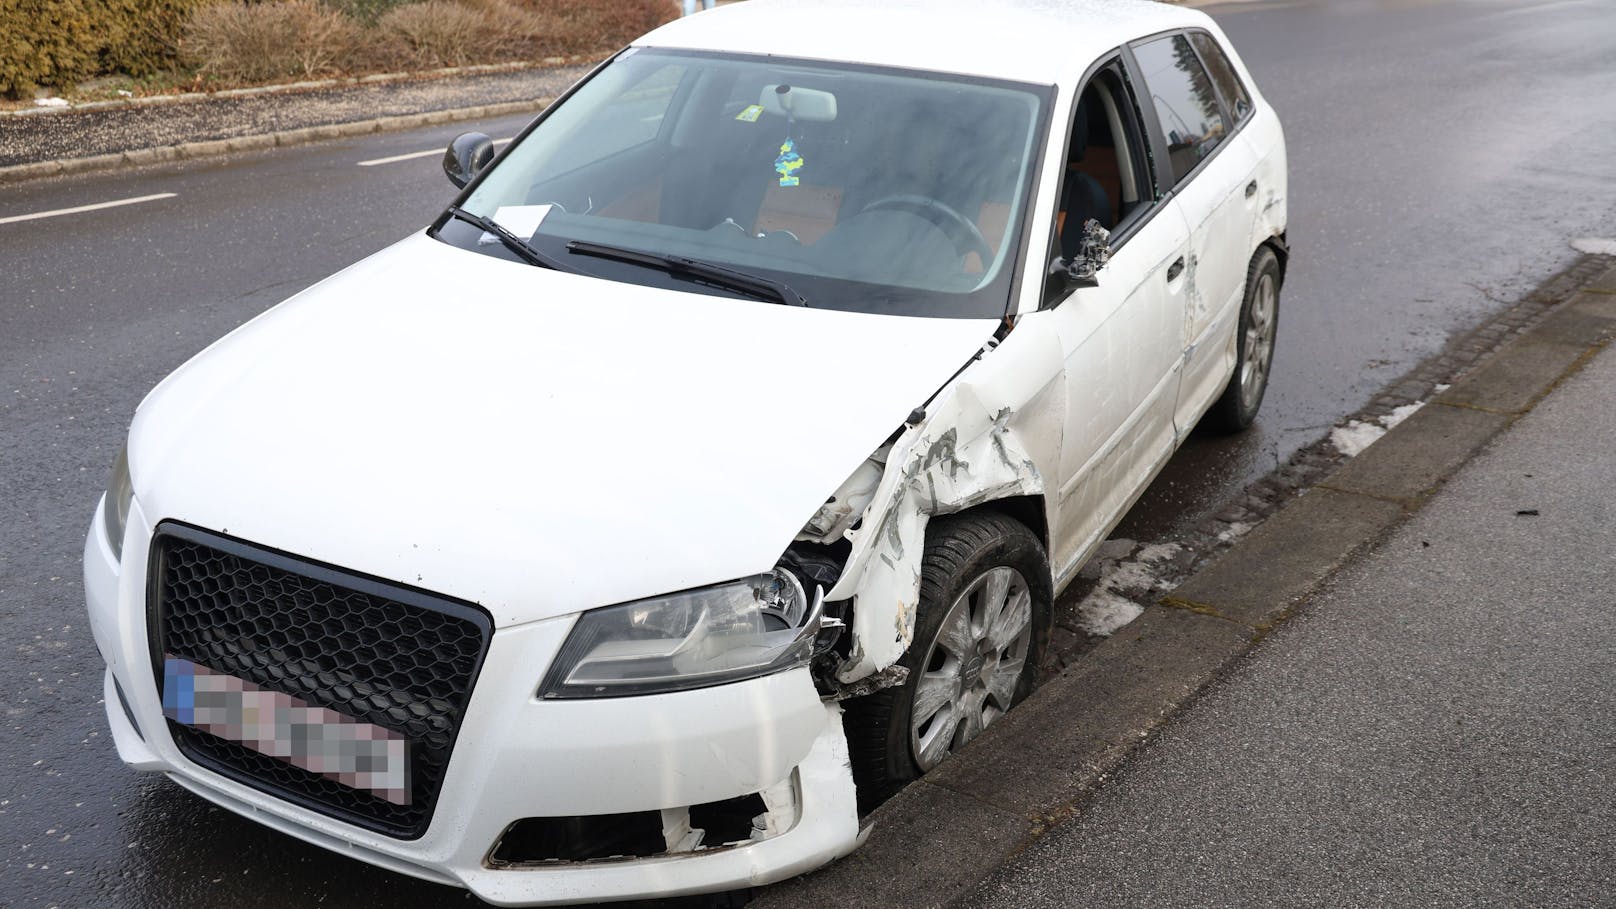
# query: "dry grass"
(438, 33)
(259, 42)
(572, 27)
(246, 42)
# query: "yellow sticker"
(751, 114)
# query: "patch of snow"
(1355, 437)
(1595, 246)
(1103, 612)
(1108, 606)
(1235, 531)
(1159, 552)
(1399, 414)
(50, 102)
(1443, 387)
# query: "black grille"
(378, 652)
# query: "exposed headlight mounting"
(115, 504)
(747, 628)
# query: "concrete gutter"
(939, 838)
(190, 150)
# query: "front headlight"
(115, 506)
(741, 630)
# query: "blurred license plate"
(322, 741)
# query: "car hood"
(532, 441)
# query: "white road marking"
(413, 155)
(83, 208)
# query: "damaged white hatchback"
(707, 470)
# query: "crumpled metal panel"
(991, 433)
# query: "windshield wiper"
(512, 242)
(755, 286)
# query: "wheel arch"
(1028, 510)
(1281, 249)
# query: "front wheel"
(1254, 347)
(981, 630)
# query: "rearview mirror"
(1093, 251)
(467, 154)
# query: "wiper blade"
(512, 242)
(752, 285)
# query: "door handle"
(1176, 269)
(1251, 189)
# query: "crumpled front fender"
(992, 433)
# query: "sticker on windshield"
(788, 163)
(521, 220)
(751, 114)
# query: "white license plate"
(362, 755)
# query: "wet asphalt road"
(1442, 156)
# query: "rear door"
(1210, 174)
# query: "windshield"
(858, 189)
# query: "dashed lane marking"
(394, 159)
(12, 219)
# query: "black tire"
(960, 550)
(1237, 407)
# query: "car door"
(1122, 338)
(1212, 180)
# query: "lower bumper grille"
(374, 651)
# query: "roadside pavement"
(1436, 728)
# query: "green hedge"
(59, 42)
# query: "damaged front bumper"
(771, 742)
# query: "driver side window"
(1106, 174)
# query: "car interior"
(1103, 162)
(892, 176)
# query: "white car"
(708, 469)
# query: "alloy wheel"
(971, 672)
(1258, 350)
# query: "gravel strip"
(79, 134)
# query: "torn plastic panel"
(988, 435)
(740, 821)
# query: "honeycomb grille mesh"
(382, 654)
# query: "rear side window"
(1223, 75)
(1185, 100)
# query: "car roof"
(1049, 42)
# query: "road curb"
(942, 836)
(192, 150)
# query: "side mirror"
(467, 154)
(1093, 251)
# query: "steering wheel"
(962, 230)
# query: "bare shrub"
(440, 33)
(257, 42)
(614, 23)
(545, 28)
(364, 12)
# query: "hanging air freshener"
(790, 161)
